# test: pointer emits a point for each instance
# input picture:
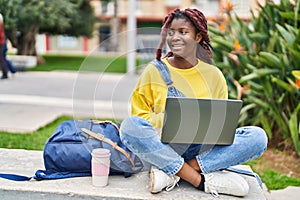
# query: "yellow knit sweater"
(149, 96)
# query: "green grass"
(85, 63)
(35, 140)
(112, 64)
(276, 181)
(30, 141)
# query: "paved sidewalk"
(31, 100)
(25, 163)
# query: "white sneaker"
(159, 180)
(225, 182)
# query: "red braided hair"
(200, 23)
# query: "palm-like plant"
(261, 61)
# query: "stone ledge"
(25, 162)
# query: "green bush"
(261, 62)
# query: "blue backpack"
(67, 153)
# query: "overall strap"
(164, 71)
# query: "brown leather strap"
(105, 122)
(101, 137)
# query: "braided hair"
(199, 21)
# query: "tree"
(24, 19)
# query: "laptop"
(200, 121)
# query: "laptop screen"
(200, 121)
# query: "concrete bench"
(21, 62)
(25, 162)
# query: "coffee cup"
(100, 166)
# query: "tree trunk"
(12, 37)
(114, 23)
(26, 41)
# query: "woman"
(186, 34)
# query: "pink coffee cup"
(100, 166)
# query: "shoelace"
(170, 187)
(214, 193)
(212, 190)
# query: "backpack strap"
(94, 121)
(15, 177)
(101, 137)
(50, 174)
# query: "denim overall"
(142, 139)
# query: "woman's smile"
(176, 46)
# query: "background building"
(110, 31)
